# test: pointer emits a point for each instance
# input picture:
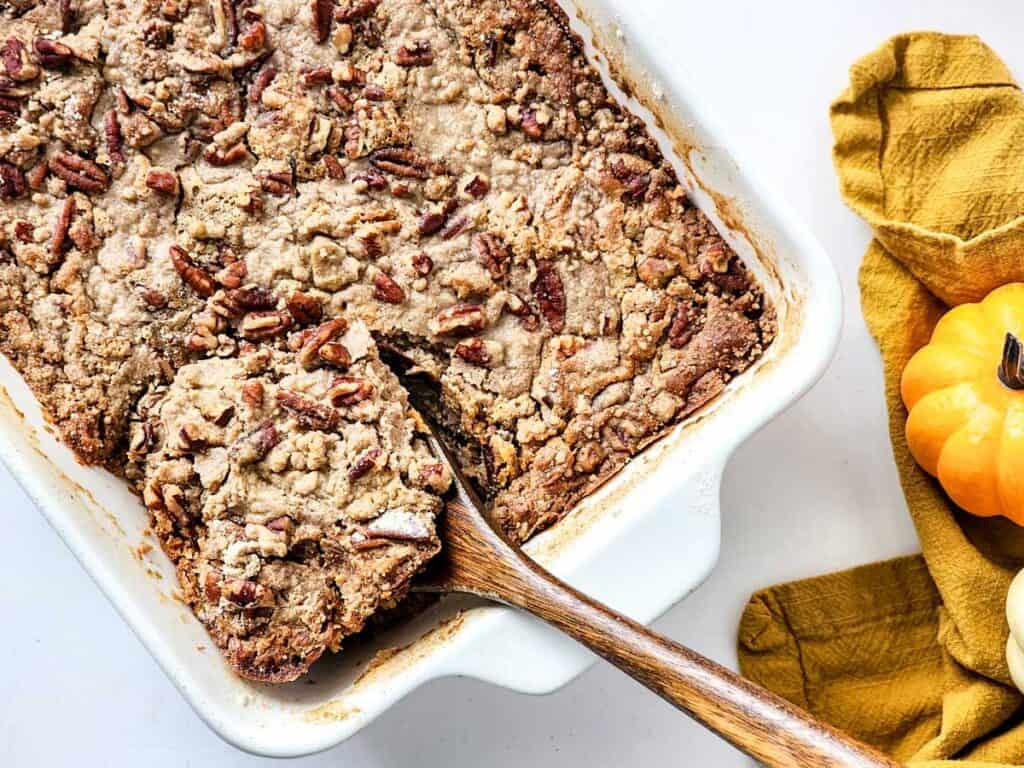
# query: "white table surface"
(813, 492)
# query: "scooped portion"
(293, 491)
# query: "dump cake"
(204, 198)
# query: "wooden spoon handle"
(758, 722)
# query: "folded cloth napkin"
(908, 655)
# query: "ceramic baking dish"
(642, 543)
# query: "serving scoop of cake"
(293, 493)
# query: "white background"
(813, 492)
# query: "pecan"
(341, 99)
(12, 181)
(416, 54)
(387, 290)
(422, 263)
(316, 76)
(550, 294)
(276, 182)
(309, 413)
(214, 155)
(255, 298)
(636, 183)
(163, 181)
(431, 223)
(309, 354)
(195, 277)
(154, 299)
(173, 9)
(79, 173)
(225, 416)
(264, 325)
(372, 178)
(67, 17)
(257, 444)
(493, 47)
(364, 464)
(718, 264)
(9, 111)
(115, 141)
(23, 231)
(37, 176)
(374, 92)
(321, 10)
(400, 161)
(191, 438)
(455, 227)
(459, 319)
(254, 38)
(478, 186)
(435, 476)
(681, 330)
(260, 82)
(334, 168)
(656, 272)
(530, 125)
(157, 34)
(244, 592)
(492, 253)
(17, 64)
(335, 354)
(348, 391)
(356, 9)
(305, 309)
(52, 55)
(473, 351)
(60, 233)
(252, 394)
(233, 275)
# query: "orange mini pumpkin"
(965, 395)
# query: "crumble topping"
(193, 189)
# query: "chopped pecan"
(681, 330)
(254, 37)
(492, 253)
(656, 272)
(459, 319)
(115, 141)
(387, 290)
(153, 298)
(252, 394)
(23, 231)
(17, 63)
(309, 413)
(372, 178)
(435, 476)
(305, 309)
(348, 391)
(260, 82)
(478, 186)
(79, 173)
(157, 34)
(309, 354)
(195, 277)
(356, 9)
(550, 295)
(364, 464)
(335, 354)
(255, 298)
(257, 444)
(163, 181)
(321, 10)
(455, 227)
(415, 54)
(473, 351)
(431, 223)
(278, 183)
(400, 161)
(636, 184)
(52, 55)
(422, 263)
(214, 155)
(374, 92)
(233, 275)
(60, 232)
(12, 181)
(334, 168)
(37, 176)
(530, 125)
(340, 99)
(264, 324)
(67, 17)
(316, 76)
(191, 437)
(492, 45)
(244, 592)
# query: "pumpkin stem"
(1011, 368)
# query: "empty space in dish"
(674, 483)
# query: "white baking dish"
(642, 543)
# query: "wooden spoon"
(478, 560)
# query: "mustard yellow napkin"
(909, 654)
